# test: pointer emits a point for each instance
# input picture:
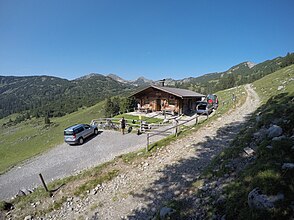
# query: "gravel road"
(65, 160)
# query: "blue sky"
(131, 38)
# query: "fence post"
(44, 184)
(177, 128)
(147, 142)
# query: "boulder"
(260, 135)
(279, 138)
(93, 192)
(20, 193)
(166, 212)
(249, 151)
(29, 217)
(26, 191)
(288, 166)
(274, 131)
(257, 200)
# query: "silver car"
(203, 108)
(76, 134)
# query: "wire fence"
(175, 129)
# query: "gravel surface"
(143, 188)
(65, 160)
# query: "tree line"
(118, 105)
(238, 75)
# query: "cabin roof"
(182, 93)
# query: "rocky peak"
(250, 64)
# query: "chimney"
(162, 82)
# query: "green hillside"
(276, 83)
(265, 169)
(31, 137)
(240, 74)
(53, 96)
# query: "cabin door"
(158, 105)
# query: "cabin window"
(172, 102)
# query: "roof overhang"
(170, 91)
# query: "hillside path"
(142, 188)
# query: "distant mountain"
(117, 78)
(242, 73)
(245, 72)
(141, 81)
(53, 96)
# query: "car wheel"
(81, 140)
(96, 131)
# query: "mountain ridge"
(54, 96)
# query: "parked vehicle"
(213, 100)
(204, 108)
(76, 134)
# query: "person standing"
(123, 125)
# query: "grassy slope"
(31, 137)
(267, 87)
(265, 172)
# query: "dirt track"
(144, 187)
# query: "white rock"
(20, 193)
(249, 151)
(259, 201)
(29, 217)
(274, 131)
(288, 166)
(280, 88)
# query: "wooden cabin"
(162, 98)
